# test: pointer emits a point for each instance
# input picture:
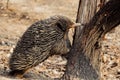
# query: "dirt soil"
(20, 14)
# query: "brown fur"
(41, 40)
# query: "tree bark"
(83, 59)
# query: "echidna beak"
(75, 25)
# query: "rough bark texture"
(83, 62)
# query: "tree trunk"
(83, 59)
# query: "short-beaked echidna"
(41, 40)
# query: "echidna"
(41, 40)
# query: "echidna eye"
(60, 26)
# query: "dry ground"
(22, 13)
